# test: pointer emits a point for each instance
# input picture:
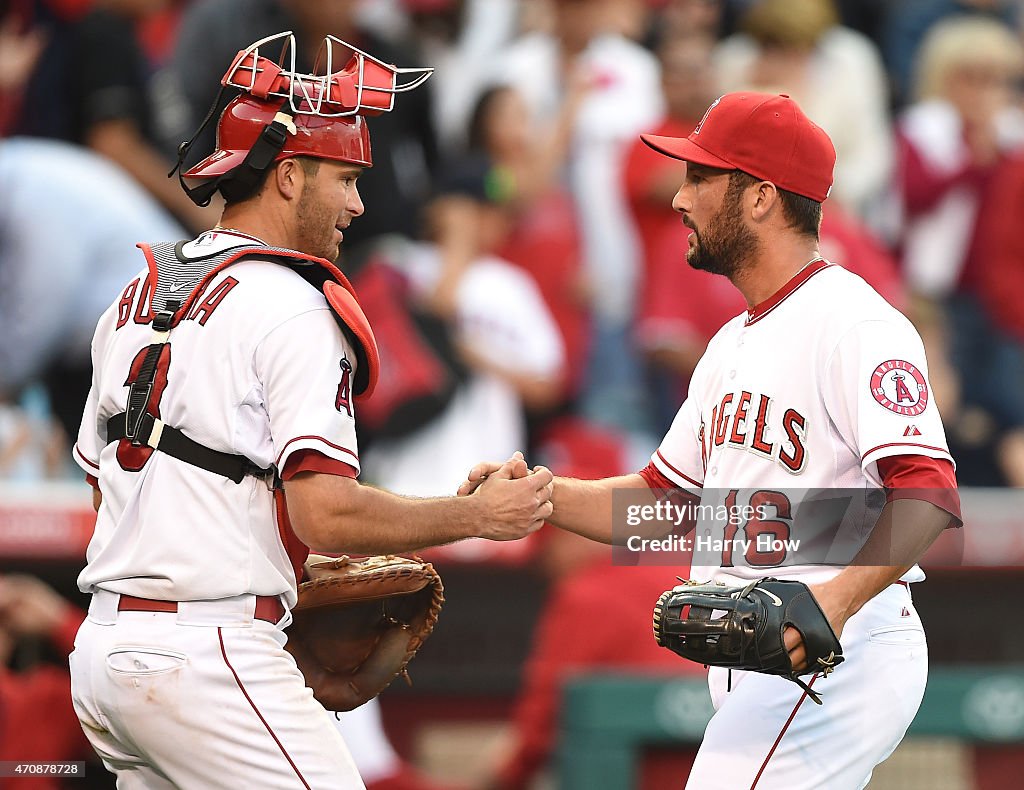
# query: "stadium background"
(519, 176)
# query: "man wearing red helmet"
(219, 436)
(807, 449)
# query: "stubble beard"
(315, 227)
(726, 246)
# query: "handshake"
(514, 499)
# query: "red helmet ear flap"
(346, 308)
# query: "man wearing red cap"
(815, 396)
(219, 436)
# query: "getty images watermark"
(691, 513)
(755, 528)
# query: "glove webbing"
(815, 697)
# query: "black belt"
(177, 445)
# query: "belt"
(267, 609)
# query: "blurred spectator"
(951, 140)
(458, 38)
(622, 100)
(679, 309)
(42, 108)
(37, 719)
(1000, 358)
(652, 180)
(108, 84)
(909, 21)
(20, 48)
(69, 222)
(684, 18)
(1001, 247)
(213, 31)
(32, 445)
(500, 325)
(630, 18)
(798, 48)
(543, 238)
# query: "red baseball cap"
(764, 135)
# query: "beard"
(726, 244)
(315, 228)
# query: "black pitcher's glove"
(742, 627)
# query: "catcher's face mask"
(281, 113)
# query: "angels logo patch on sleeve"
(900, 387)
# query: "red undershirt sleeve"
(654, 478)
(315, 461)
(924, 478)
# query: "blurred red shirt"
(37, 720)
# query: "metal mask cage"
(365, 85)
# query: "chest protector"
(176, 283)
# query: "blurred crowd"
(518, 256)
(519, 259)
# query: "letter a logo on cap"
(702, 120)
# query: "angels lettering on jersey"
(741, 420)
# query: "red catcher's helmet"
(245, 118)
(282, 112)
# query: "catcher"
(221, 424)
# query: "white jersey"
(793, 403)
(256, 369)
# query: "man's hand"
(516, 499)
(30, 607)
(19, 53)
(479, 473)
(836, 606)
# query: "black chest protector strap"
(155, 433)
(141, 389)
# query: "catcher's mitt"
(741, 627)
(358, 623)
